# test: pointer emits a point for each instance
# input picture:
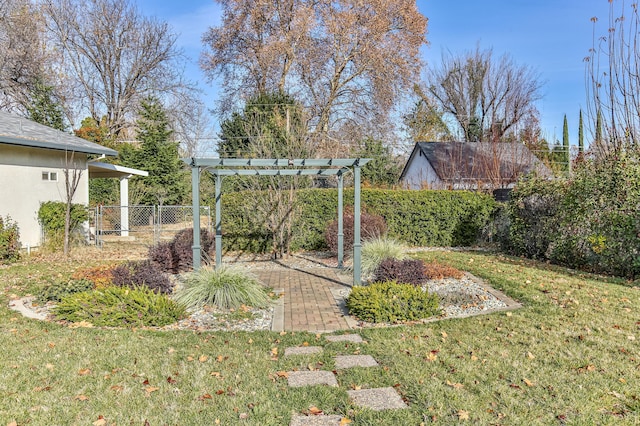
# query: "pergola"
(221, 167)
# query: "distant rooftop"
(15, 130)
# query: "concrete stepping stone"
(302, 350)
(355, 338)
(315, 420)
(298, 379)
(377, 399)
(348, 361)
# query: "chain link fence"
(144, 225)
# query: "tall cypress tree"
(598, 138)
(565, 141)
(158, 155)
(580, 134)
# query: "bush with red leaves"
(409, 271)
(142, 273)
(177, 255)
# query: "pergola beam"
(221, 167)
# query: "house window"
(50, 176)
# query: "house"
(33, 160)
(469, 165)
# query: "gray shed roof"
(15, 130)
(478, 160)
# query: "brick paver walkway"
(309, 304)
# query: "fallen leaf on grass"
(344, 421)
(81, 397)
(528, 382)
(243, 416)
(13, 423)
(463, 415)
(203, 358)
(455, 385)
(282, 374)
(84, 371)
(205, 397)
(100, 422)
(530, 355)
(171, 380)
(117, 388)
(315, 411)
(150, 389)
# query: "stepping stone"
(303, 350)
(377, 399)
(348, 361)
(315, 420)
(298, 379)
(355, 338)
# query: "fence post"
(357, 244)
(340, 221)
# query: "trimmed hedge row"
(418, 218)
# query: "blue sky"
(553, 37)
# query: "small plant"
(408, 271)
(375, 250)
(119, 307)
(9, 240)
(392, 302)
(438, 271)
(58, 290)
(142, 273)
(224, 287)
(51, 215)
(177, 255)
(371, 226)
(101, 276)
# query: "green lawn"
(571, 355)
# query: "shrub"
(390, 301)
(57, 290)
(408, 271)
(51, 215)
(371, 226)
(119, 307)
(224, 287)
(417, 218)
(9, 240)
(142, 273)
(437, 271)
(376, 250)
(100, 276)
(177, 255)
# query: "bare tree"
(348, 61)
(23, 58)
(113, 55)
(72, 176)
(613, 81)
(487, 98)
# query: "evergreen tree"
(580, 134)
(565, 141)
(598, 136)
(158, 155)
(383, 169)
(44, 107)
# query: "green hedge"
(417, 218)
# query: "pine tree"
(565, 141)
(580, 134)
(158, 155)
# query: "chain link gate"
(147, 225)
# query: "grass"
(570, 356)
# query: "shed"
(469, 165)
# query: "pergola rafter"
(221, 167)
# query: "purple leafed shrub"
(177, 255)
(409, 271)
(142, 273)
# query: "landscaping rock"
(355, 338)
(316, 420)
(348, 361)
(377, 399)
(303, 350)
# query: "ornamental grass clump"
(376, 250)
(224, 287)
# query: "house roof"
(15, 130)
(477, 161)
(106, 170)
